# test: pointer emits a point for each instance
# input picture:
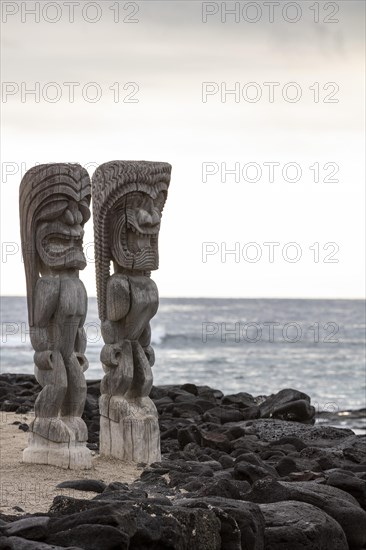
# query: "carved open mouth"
(134, 240)
(57, 245)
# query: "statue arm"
(46, 299)
(145, 340)
(118, 305)
(80, 340)
(80, 345)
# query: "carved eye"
(135, 200)
(160, 200)
(53, 210)
(85, 210)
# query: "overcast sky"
(150, 77)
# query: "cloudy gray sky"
(150, 76)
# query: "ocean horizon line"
(313, 298)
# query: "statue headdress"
(112, 181)
(41, 186)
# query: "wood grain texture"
(128, 199)
(54, 206)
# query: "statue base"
(73, 455)
(129, 429)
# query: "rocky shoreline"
(237, 472)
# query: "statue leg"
(48, 405)
(142, 374)
(118, 365)
(75, 397)
(130, 430)
(51, 439)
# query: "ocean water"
(257, 346)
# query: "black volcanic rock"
(272, 430)
(278, 402)
(223, 488)
(350, 484)
(241, 400)
(338, 504)
(286, 466)
(190, 434)
(300, 526)
(18, 543)
(34, 528)
(248, 518)
(237, 471)
(92, 537)
(104, 514)
(83, 485)
(64, 506)
(223, 415)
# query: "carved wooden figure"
(128, 199)
(54, 206)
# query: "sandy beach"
(32, 487)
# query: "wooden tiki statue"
(128, 199)
(54, 206)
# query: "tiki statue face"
(134, 230)
(59, 233)
(128, 199)
(53, 207)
